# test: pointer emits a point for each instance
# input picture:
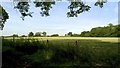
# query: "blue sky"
(58, 22)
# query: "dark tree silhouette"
(31, 34)
(44, 33)
(70, 33)
(38, 34)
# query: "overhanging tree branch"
(75, 8)
(3, 17)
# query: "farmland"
(104, 39)
(60, 51)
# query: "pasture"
(60, 51)
(104, 39)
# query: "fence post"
(75, 43)
(76, 49)
(47, 42)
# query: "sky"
(58, 22)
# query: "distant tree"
(70, 33)
(67, 35)
(38, 34)
(118, 30)
(106, 31)
(85, 34)
(31, 34)
(55, 35)
(97, 32)
(110, 24)
(75, 35)
(23, 36)
(44, 33)
(15, 35)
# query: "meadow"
(67, 52)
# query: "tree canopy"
(38, 34)
(106, 31)
(3, 17)
(76, 7)
(31, 34)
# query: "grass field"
(104, 39)
(60, 51)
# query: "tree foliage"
(70, 34)
(106, 31)
(55, 35)
(85, 33)
(38, 34)
(15, 35)
(100, 3)
(75, 8)
(31, 34)
(23, 8)
(45, 7)
(44, 33)
(3, 17)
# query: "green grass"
(60, 52)
(104, 39)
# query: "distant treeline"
(106, 31)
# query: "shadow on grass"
(60, 54)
